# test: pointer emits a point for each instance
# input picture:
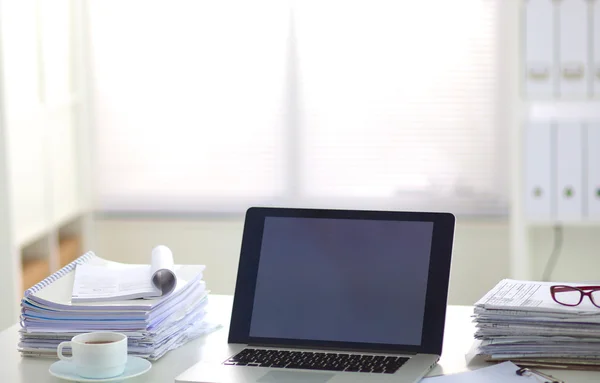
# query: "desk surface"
(458, 339)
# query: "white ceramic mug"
(97, 354)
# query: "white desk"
(457, 342)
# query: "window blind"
(220, 105)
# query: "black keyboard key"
(328, 361)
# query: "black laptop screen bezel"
(437, 281)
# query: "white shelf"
(43, 156)
(576, 112)
(573, 223)
(541, 111)
(566, 111)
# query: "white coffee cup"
(97, 354)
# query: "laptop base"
(214, 371)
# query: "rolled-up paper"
(163, 276)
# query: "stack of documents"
(519, 321)
(153, 326)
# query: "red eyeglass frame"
(562, 288)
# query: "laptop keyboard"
(329, 361)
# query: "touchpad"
(295, 377)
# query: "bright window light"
(219, 105)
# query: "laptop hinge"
(325, 349)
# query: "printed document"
(500, 373)
(531, 296)
(100, 283)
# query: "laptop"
(335, 296)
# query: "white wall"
(215, 243)
(579, 260)
(480, 252)
(480, 257)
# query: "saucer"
(66, 370)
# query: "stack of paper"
(519, 321)
(153, 326)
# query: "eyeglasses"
(573, 296)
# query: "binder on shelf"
(593, 171)
(537, 155)
(573, 48)
(540, 73)
(569, 171)
(595, 59)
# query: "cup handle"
(60, 354)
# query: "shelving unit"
(563, 111)
(45, 209)
(521, 225)
(49, 252)
(556, 37)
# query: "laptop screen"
(344, 280)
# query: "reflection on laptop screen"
(343, 280)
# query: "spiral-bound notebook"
(109, 283)
(54, 292)
(153, 326)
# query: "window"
(219, 105)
